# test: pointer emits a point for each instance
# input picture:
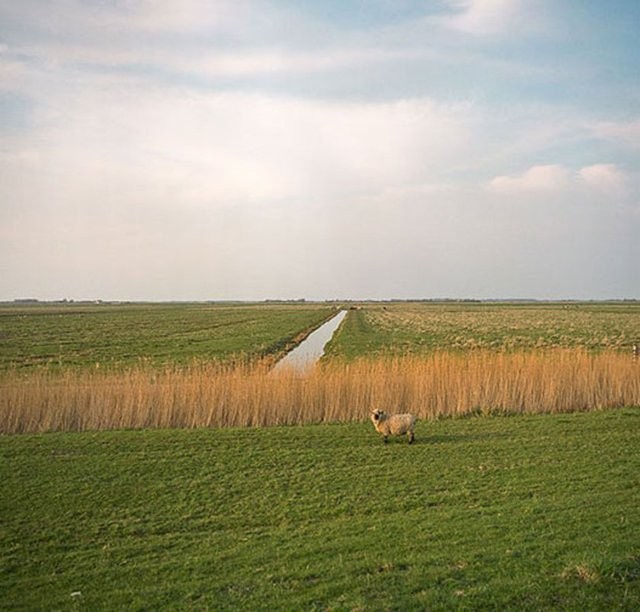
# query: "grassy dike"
(526, 512)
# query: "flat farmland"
(184, 474)
(204, 365)
(400, 328)
(78, 335)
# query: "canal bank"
(311, 349)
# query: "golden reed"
(218, 395)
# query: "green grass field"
(116, 335)
(521, 512)
(397, 328)
(80, 335)
(527, 512)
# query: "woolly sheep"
(394, 424)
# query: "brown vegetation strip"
(215, 395)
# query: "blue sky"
(357, 149)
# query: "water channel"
(309, 351)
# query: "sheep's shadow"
(451, 438)
(432, 440)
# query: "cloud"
(162, 42)
(597, 179)
(222, 40)
(12, 71)
(604, 177)
(545, 179)
(626, 133)
(75, 18)
(243, 146)
(199, 61)
(484, 17)
(271, 61)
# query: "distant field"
(116, 335)
(73, 335)
(410, 328)
(520, 513)
(159, 366)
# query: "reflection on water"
(309, 351)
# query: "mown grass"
(522, 512)
(413, 328)
(76, 335)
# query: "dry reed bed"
(215, 395)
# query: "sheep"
(394, 424)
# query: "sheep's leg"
(411, 437)
(385, 438)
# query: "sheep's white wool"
(394, 424)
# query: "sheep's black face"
(375, 415)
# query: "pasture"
(208, 492)
(521, 512)
(400, 328)
(116, 335)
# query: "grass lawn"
(531, 512)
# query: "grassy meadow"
(520, 512)
(116, 335)
(151, 459)
(401, 328)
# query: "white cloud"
(273, 61)
(626, 133)
(223, 38)
(484, 17)
(209, 61)
(604, 177)
(187, 15)
(12, 72)
(233, 147)
(546, 178)
(240, 148)
(161, 34)
(73, 18)
(597, 179)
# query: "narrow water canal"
(309, 351)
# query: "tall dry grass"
(215, 395)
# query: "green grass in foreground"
(526, 512)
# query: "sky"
(336, 149)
